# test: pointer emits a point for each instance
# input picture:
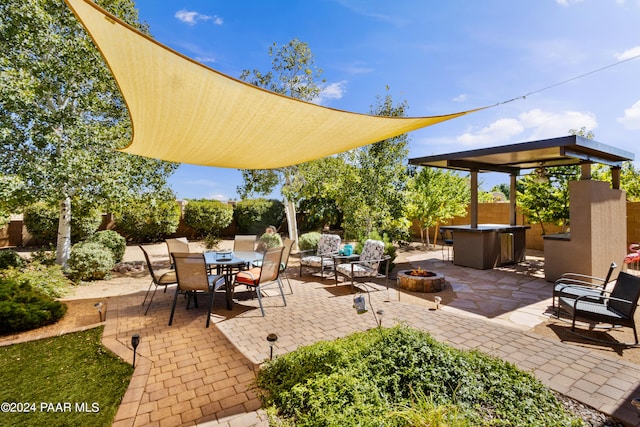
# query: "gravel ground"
(590, 416)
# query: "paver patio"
(187, 374)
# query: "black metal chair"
(575, 284)
(616, 308)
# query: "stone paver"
(187, 374)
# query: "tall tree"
(436, 195)
(293, 74)
(61, 114)
(372, 197)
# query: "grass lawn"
(70, 380)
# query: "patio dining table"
(225, 263)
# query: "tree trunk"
(292, 224)
(63, 247)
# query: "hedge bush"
(253, 216)
(269, 240)
(113, 241)
(41, 220)
(208, 217)
(89, 261)
(10, 258)
(22, 307)
(308, 241)
(388, 376)
(48, 279)
(148, 220)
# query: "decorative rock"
(129, 267)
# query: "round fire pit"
(420, 281)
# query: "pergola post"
(473, 212)
(512, 199)
(615, 177)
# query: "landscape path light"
(135, 341)
(272, 338)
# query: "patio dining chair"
(158, 278)
(616, 308)
(179, 244)
(267, 274)
(193, 278)
(286, 253)
(328, 246)
(368, 265)
(244, 242)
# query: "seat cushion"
(328, 243)
(316, 261)
(166, 278)
(359, 270)
(576, 291)
(249, 277)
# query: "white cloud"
(192, 17)
(332, 91)
(629, 53)
(545, 124)
(530, 125)
(461, 98)
(221, 197)
(631, 118)
(205, 59)
(498, 131)
(567, 2)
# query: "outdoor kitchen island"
(488, 245)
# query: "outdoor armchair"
(328, 246)
(575, 284)
(368, 265)
(193, 278)
(158, 278)
(616, 308)
(267, 274)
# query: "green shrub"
(44, 255)
(271, 240)
(308, 241)
(10, 258)
(48, 279)
(148, 220)
(371, 378)
(41, 220)
(255, 215)
(23, 308)
(211, 241)
(208, 216)
(113, 241)
(89, 261)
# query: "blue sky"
(439, 56)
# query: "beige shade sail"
(185, 112)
